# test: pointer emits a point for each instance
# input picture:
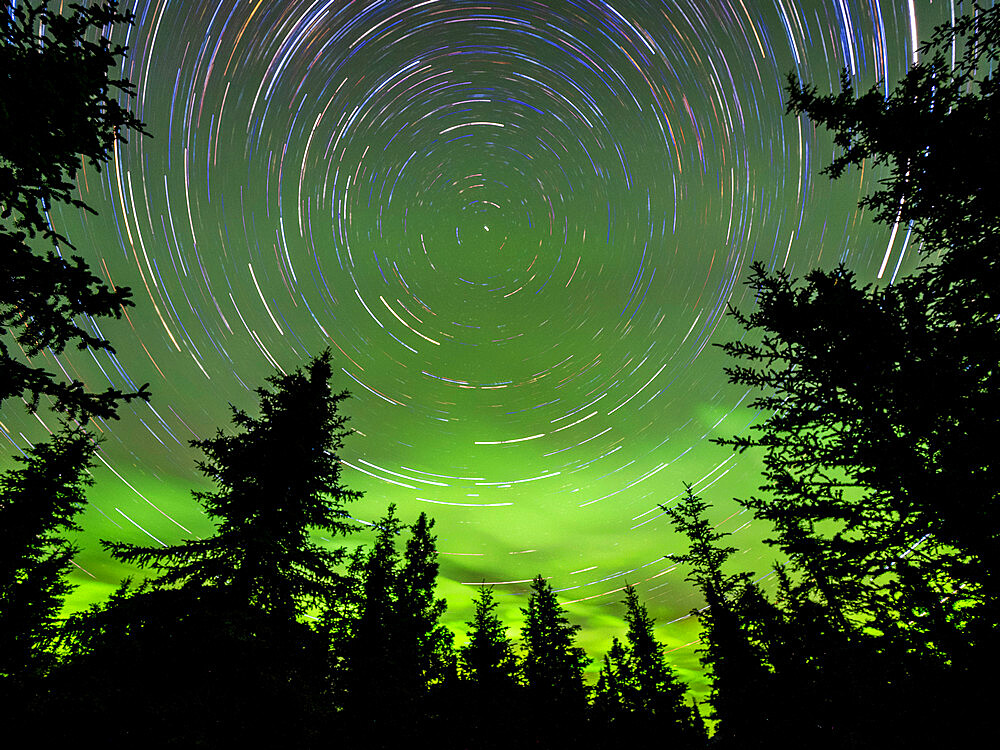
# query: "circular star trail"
(517, 227)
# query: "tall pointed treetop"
(278, 480)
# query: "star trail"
(516, 225)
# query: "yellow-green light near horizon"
(517, 227)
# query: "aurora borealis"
(516, 225)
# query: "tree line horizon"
(879, 487)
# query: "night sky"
(516, 225)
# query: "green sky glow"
(516, 225)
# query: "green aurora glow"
(517, 226)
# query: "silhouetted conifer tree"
(487, 659)
(657, 693)
(361, 626)
(638, 694)
(223, 615)
(60, 108)
(279, 481)
(38, 503)
(657, 689)
(425, 646)
(610, 707)
(885, 398)
(879, 479)
(741, 683)
(552, 667)
(833, 436)
(552, 664)
(813, 680)
(488, 693)
(389, 647)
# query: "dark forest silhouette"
(879, 485)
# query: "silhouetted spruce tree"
(610, 707)
(552, 667)
(425, 646)
(638, 694)
(279, 482)
(885, 398)
(817, 676)
(488, 693)
(741, 681)
(38, 504)
(361, 626)
(879, 478)
(657, 693)
(832, 365)
(487, 660)
(224, 614)
(60, 108)
(391, 653)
